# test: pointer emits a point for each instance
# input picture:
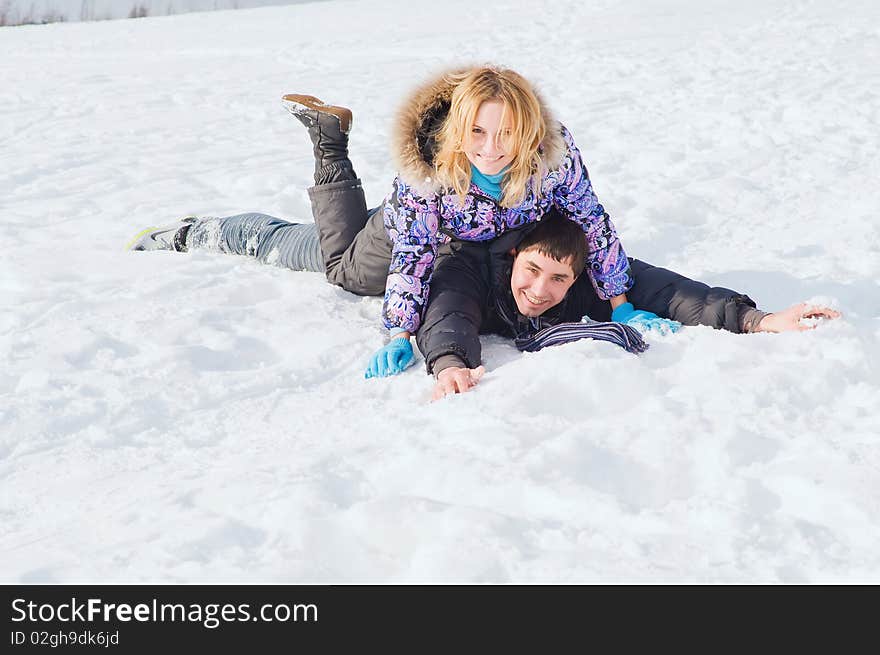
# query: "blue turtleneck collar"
(489, 184)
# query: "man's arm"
(449, 336)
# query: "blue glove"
(390, 359)
(643, 321)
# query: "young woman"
(480, 155)
(480, 160)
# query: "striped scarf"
(623, 335)
(535, 333)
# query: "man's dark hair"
(558, 238)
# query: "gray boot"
(329, 126)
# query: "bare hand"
(456, 379)
(800, 317)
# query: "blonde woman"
(479, 155)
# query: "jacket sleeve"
(459, 303)
(691, 302)
(412, 225)
(573, 196)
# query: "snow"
(203, 418)
(18, 12)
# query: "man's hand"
(798, 317)
(456, 379)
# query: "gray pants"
(270, 240)
(346, 242)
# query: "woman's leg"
(355, 249)
(346, 242)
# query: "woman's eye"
(476, 130)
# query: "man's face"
(539, 282)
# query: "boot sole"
(153, 228)
(299, 103)
(137, 237)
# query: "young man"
(538, 283)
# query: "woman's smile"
(484, 149)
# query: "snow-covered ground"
(19, 12)
(203, 418)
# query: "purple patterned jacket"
(418, 222)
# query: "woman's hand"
(800, 317)
(456, 379)
(643, 321)
(392, 358)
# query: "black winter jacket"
(472, 296)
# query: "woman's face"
(484, 147)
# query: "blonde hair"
(522, 112)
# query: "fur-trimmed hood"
(413, 138)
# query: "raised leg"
(354, 246)
(328, 126)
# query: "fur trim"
(416, 123)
